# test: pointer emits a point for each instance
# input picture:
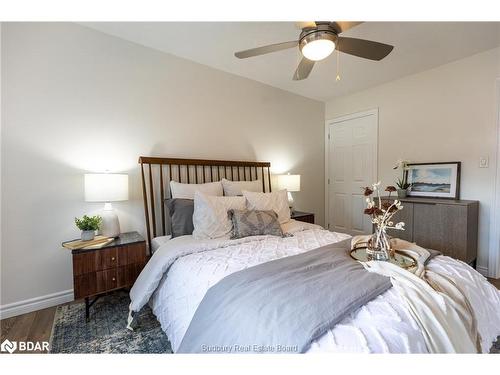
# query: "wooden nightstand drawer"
(127, 274)
(94, 283)
(106, 259)
(84, 263)
(93, 261)
(106, 280)
(132, 254)
(103, 259)
(85, 285)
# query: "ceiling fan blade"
(341, 26)
(303, 70)
(265, 49)
(363, 48)
(305, 24)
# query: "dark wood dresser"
(446, 225)
(303, 216)
(114, 266)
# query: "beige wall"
(443, 114)
(76, 100)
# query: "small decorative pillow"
(254, 223)
(210, 217)
(276, 201)
(181, 216)
(186, 191)
(235, 188)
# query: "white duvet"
(381, 326)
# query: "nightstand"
(114, 266)
(307, 217)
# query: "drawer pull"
(114, 279)
(113, 258)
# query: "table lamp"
(107, 188)
(290, 182)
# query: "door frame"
(332, 121)
(494, 238)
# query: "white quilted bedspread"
(381, 326)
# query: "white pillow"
(210, 219)
(186, 191)
(276, 201)
(233, 188)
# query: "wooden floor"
(37, 325)
(495, 282)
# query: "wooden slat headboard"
(161, 171)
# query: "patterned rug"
(106, 332)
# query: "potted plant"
(402, 183)
(88, 225)
(403, 187)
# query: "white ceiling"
(417, 46)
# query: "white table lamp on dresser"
(290, 182)
(107, 188)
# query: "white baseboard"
(34, 304)
(482, 270)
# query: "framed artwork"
(436, 180)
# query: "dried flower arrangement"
(381, 214)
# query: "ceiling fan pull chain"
(338, 65)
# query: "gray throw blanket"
(283, 305)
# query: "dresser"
(114, 266)
(450, 226)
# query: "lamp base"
(110, 224)
(290, 201)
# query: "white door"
(351, 165)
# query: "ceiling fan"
(318, 40)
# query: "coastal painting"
(440, 180)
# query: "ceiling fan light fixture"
(318, 46)
(318, 49)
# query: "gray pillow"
(254, 223)
(181, 216)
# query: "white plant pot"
(88, 235)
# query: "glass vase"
(378, 246)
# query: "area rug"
(495, 349)
(106, 331)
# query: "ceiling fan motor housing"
(321, 32)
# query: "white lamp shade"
(290, 182)
(106, 187)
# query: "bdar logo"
(8, 346)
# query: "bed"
(175, 286)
